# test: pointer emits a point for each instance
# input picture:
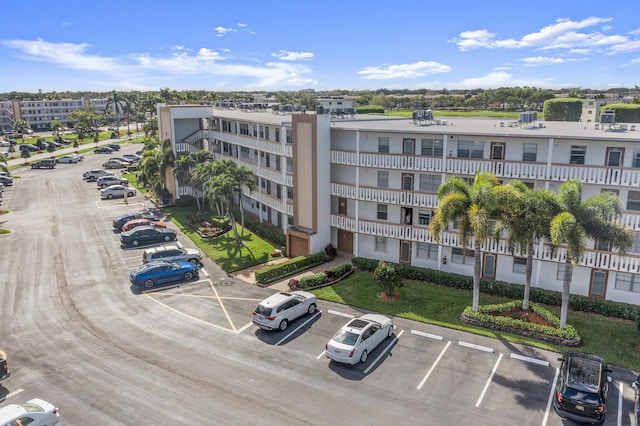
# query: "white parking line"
(395, 339)
(240, 330)
(321, 355)
(620, 403)
(551, 393)
(433, 366)
(205, 273)
(529, 359)
(486, 386)
(427, 335)
(12, 394)
(340, 314)
(297, 328)
(473, 346)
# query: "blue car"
(152, 273)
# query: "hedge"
(282, 270)
(322, 277)
(608, 308)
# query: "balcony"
(271, 147)
(385, 195)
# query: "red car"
(141, 222)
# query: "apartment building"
(40, 113)
(369, 184)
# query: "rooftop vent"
(608, 117)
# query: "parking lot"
(202, 331)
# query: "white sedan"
(117, 191)
(67, 159)
(35, 412)
(354, 342)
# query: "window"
(290, 220)
(383, 144)
(381, 244)
(560, 271)
(279, 191)
(627, 282)
(470, 149)
(530, 152)
(407, 182)
(458, 255)
(408, 146)
(244, 129)
(431, 147)
(289, 165)
(266, 133)
(602, 245)
(577, 154)
(519, 265)
(226, 126)
(225, 147)
(383, 179)
(263, 183)
(633, 200)
(427, 251)
(261, 132)
(255, 130)
(430, 182)
(425, 216)
(598, 283)
(245, 153)
(278, 166)
(636, 159)
(635, 247)
(382, 211)
(289, 193)
(277, 131)
(289, 137)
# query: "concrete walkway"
(248, 275)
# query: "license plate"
(337, 351)
(579, 408)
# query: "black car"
(147, 235)
(44, 164)
(114, 146)
(6, 180)
(119, 221)
(103, 150)
(581, 392)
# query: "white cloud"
(389, 72)
(221, 31)
(285, 55)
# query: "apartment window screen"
(458, 256)
(244, 129)
(383, 144)
(408, 146)
(381, 244)
(383, 179)
(530, 152)
(427, 251)
(636, 159)
(425, 216)
(577, 154)
(633, 200)
(627, 282)
(382, 211)
(289, 137)
(519, 265)
(430, 182)
(289, 165)
(431, 147)
(560, 271)
(470, 149)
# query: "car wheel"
(109, 196)
(135, 243)
(364, 356)
(130, 194)
(194, 261)
(148, 283)
(167, 238)
(283, 325)
(188, 276)
(312, 308)
(390, 331)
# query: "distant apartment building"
(369, 185)
(41, 112)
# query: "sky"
(261, 45)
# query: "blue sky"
(226, 45)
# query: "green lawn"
(223, 250)
(612, 339)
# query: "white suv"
(105, 181)
(173, 253)
(93, 175)
(278, 310)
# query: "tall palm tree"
(525, 214)
(56, 126)
(579, 220)
(116, 102)
(20, 126)
(3, 163)
(474, 206)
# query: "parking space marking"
(486, 386)
(427, 335)
(375, 361)
(473, 346)
(433, 366)
(155, 290)
(529, 359)
(549, 401)
(297, 328)
(247, 325)
(186, 315)
(321, 355)
(222, 306)
(14, 393)
(205, 273)
(621, 386)
(340, 314)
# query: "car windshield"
(263, 310)
(141, 268)
(32, 408)
(346, 337)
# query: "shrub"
(313, 280)
(386, 276)
(282, 270)
(341, 270)
(331, 251)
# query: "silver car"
(278, 310)
(117, 191)
(173, 253)
(354, 341)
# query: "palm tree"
(525, 214)
(227, 184)
(184, 170)
(116, 101)
(56, 126)
(474, 206)
(578, 220)
(20, 126)
(3, 163)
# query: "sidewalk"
(249, 275)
